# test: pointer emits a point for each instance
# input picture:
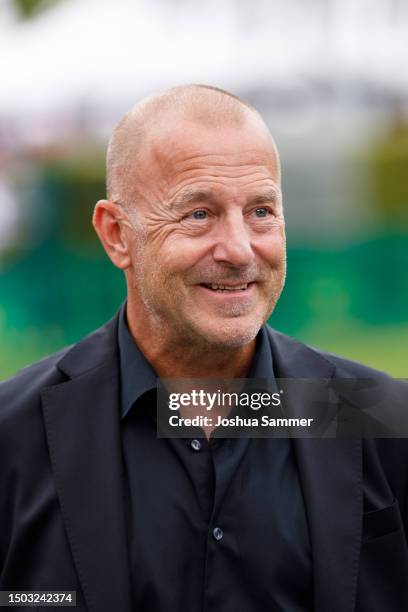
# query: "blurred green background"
(341, 124)
(348, 295)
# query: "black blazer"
(62, 517)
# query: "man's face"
(210, 264)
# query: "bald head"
(202, 105)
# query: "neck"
(185, 359)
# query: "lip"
(229, 295)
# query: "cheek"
(271, 249)
(181, 252)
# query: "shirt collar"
(138, 376)
(262, 363)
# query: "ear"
(106, 221)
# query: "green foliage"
(387, 170)
(29, 8)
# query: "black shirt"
(213, 526)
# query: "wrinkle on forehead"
(229, 152)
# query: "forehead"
(233, 152)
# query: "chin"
(231, 334)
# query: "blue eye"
(261, 212)
(199, 214)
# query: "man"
(93, 501)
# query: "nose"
(233, 245)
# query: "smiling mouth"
(219, 287)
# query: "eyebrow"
(190, 196)
(268, 197)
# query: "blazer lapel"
(82, 422)
(331, 477)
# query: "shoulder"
(341, 366)
(359, 385)
(31, 378)
(350, 368)
(356, 385)
(20, 396)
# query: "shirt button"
(218, 533)
(195, 445)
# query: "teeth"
(216, 287)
